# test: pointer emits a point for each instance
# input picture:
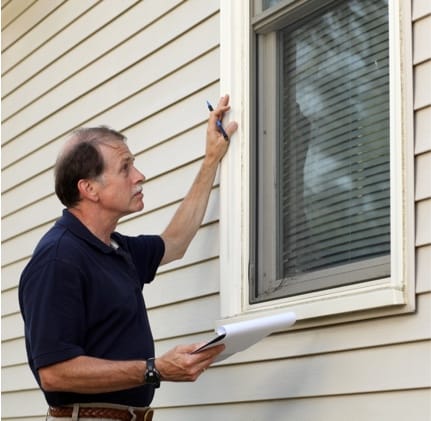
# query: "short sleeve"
(146, 252)
(52, 304)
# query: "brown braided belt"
(110, 413)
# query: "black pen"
(218, 123)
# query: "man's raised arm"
(188, 217)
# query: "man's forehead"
(117, 148)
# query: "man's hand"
(217, 145)
(180, 365)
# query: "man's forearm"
(88, 375)
(188, 217)
(92, 375)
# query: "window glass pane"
(269, 3)
(334, 150)
(332, 189)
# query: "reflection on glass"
(269, 3)
(334, 151)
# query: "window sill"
(354, 302)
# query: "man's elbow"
(49, 380)
(174, 250)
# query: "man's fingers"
(231, 128)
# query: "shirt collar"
(77, 228)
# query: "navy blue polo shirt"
(79, 296)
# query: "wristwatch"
(152, 375)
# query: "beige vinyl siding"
(146, 68)
(421, 13)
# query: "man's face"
(120, 185)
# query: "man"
(88, 338)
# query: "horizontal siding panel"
(423, 222)
(17, 377)
(423, 130)
(393, 406)
(30, 17)
(13, 352)
(9, 302)
(13, 404)
(422, 85)
(21, 247)
(184, 284)
(41, 33)
(12, 327)
(39, 418)
(151, 100)
(167, 156)
(11, 11)
(423, 176)
(71, 36)
(10, 274)
(421, 35)
(420, 8)
(41, 212)
(368, 370)
(171, 187)
(204, 246)
(184, 318)
(154, 67)
(36, 187)
(423, 270)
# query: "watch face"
(152, 376)
(153, 379)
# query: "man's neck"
(99, 225)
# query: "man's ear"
(88, 190)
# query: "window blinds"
(333, 170)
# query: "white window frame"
(393, 295)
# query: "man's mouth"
(138, 190)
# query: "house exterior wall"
(146, 68)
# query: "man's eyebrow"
(128, 158)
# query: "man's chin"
(138, 208)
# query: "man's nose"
(139, 176)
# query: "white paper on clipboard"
(241, 335)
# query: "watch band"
(152, 375)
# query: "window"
(317, 188)
(322, 191)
